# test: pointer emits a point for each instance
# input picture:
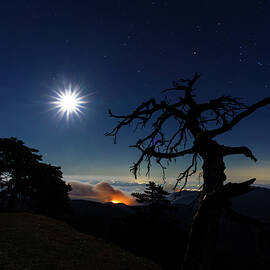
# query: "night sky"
(121, 53)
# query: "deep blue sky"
(121, 53)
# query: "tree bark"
(204, 229)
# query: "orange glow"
(115, 201)
(123, 199)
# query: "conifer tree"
(154, 196)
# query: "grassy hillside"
(36, 242)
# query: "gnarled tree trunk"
(193, 118)
(204, 229)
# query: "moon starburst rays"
(68, 102)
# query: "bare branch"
(144, 112)
(180, 130)
(176, 88)
(241, 150)
(151, 151)
(187, 89)
(227, 126)
(223, 108)
(136, 166)
(163, 168)
(187, 173)
(192, 123)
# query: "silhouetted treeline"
(29, 184)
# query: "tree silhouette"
(153, 196)
(25, 178)
(194, 135)
(16, 163)
(48, 190)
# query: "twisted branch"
(237, 118)
(192, 119)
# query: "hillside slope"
(37, 242)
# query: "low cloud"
(102, 192)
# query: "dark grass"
(30, 241)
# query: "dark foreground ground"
(33, 242)
(240, 245)
(161, 239)
(104, 236)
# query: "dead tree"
(194, 121)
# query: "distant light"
(115, 201)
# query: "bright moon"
(69, 101)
